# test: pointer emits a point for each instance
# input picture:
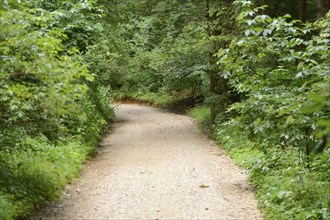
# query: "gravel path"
(157, 165)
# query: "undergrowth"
(178, 102)
(32, 175)
(54, 98)
(158, 99)
(286, 187)
(202, 115)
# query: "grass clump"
(178, 102)
(202, 115)
(32, 176)
(159, 99)
(7, 209)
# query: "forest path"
(157, 165)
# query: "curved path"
(157, 165)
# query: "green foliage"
(285, 188)
(277, 70)
(39, 87)
(160, 99)
(160, 56)
(7, 209)
(202, 115)
(280, 68)
(54, 104)
(32, 176)
(295, 192)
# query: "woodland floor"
(157, 165)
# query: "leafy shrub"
(277, 70)
(285, 188)
(53, 108)
(36, 174)
(38, 85)
(288, 191)
(281, 68)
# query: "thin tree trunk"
(323, 7)
(225, 97)
(211, 63)
(303, 10)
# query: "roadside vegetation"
(54, 104)
(254, 74)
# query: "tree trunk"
(323, 7)
(303, 10)
(225, 98)
(211, 63)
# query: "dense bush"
(285, 187)
(53, 105)
(281, 69)
(32, 176)
(161, 59)
(277, 70)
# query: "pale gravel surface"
(157, 165)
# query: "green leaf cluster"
(281, 75)
(165, 49)
(54, 101)
(279, 67)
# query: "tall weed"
(37, 173)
